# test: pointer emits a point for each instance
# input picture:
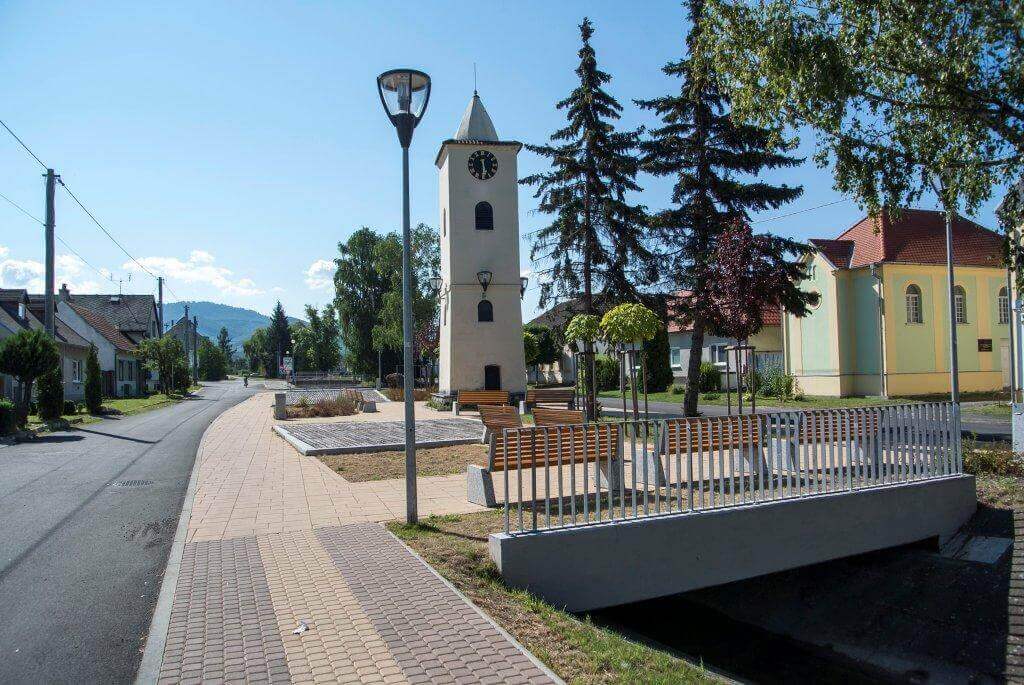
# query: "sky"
(230, 146)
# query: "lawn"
(1000, 409)
(807, 402)
(117, 406)
(574, 648)
(435, 461)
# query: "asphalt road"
(82, 557)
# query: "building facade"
(882, 324)
(481, 338)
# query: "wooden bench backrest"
(556, 417)
(550, 395)
(540, 446)
(481, 397)
(497, 418)
(833, 427)
(711, 434)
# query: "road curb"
(153, 655)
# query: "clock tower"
(481, 310)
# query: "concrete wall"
(616, 563)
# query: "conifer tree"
(595, 242)
(280, 336)
(709, 154)
(94, 382)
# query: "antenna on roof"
(474, 78)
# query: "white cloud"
(320, 275)
(29, 274)
(4, 250)
(199, 269)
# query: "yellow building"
(882, 325)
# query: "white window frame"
(960, 305)
(676, 357)
(717, 353)
(1004, 306)
(915, 309)
(76, 370)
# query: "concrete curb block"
(308, 450)
(504, 633)
(156, 640)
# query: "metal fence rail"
(573, 475)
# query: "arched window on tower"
(485, 311)
(484, 216)
(914, 311)
(1004, 306)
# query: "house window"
(21, 310)
(717, 353)
(914, 311)
(76, 370)
(676, 358)
(484, 216)
(960, 304)
(485, 311)
(1004, 306)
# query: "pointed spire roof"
(476, 123)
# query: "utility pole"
(160, 308)
(188, 357)
(48, 318)
(195, 348)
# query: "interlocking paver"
(276, 538)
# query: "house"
(767, 344)
(116, 324)
(21, 311)
(557, 318)
(881, 327)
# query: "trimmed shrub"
(607, 371)
(51, 395)
(8, 417)
(678, 389)
(775, 383)
(710, 377)
(658, 360)
(70, 407)
(93, 382)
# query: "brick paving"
(276, 539)
(361, 436)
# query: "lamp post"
(523, 282)
(404, 93)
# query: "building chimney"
(65, 294)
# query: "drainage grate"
(133, 483)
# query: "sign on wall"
(984, 344)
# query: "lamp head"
(404, 93)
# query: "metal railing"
(573, 475)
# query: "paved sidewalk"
(277, 540)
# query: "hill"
(240, 322)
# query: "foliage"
(584, 328)
(708, 153)
(630, 322)
(530, 348)
(259, 352)
(607, 372)
(8, 417)
(904, 96)
(394, 380)
(213, 363)
(596, 240)
(315, 344)
(70, 408)
(162, 355)
(93, 382)
(987, 458)
(548, 349)
(775, 382)
(710, 378)
(279, 338)
(224, 343)
(342, 405)
(657, 357)
(27, 355)
(678, 389)
(50, 394)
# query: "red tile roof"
(917, 237)
(104, 327)
(770, 316)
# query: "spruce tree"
(224, 343)
(50, 394)
(711, 156)
(595, 242)
(280, 337)
(94, 382)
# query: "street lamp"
(435, 284)
(523, 282)
(404, 93)
(484, 279)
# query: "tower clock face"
(483, 165)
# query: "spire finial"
(474, 79)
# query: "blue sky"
(232, 145)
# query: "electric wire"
(26, 147)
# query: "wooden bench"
(707, 436)
(557, 417)
(479, 398)
(860, 427)
(567, 439)
(540, 397)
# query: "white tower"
(481, 328)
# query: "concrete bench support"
(480, 481)
(665, 555)
(280, 408)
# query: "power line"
(22, 143)
(22, 210)
(104, 229)
(801, 211)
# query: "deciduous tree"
(27, 355)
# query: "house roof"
(104, 327)
(13, 295)
(125, 312)
(476, 123)
(64, 332)
(770, 315)
(917, 237)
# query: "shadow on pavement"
(117, 437)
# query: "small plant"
(439, 404)
(678, 389)
(70, 408)
(394, 380)
(584, 328)
(997, 460)
(711, 396)
(710, 377)
(51, 394)
(8, 417)
(607, 372)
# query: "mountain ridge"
(240, 322)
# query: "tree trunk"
(25, 404)
(693, 369)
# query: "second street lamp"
(404, 93)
